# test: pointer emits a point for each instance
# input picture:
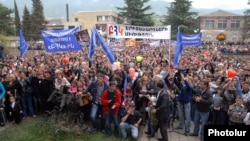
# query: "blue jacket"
(185, 91)
(92, 89)
(2, 90)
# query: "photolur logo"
(214, 132)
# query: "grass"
(28, 131)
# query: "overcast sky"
(223, 4)
(56, 8)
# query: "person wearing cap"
(130, 122)
(111, 102)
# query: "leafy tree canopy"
(6, 21)
(179, 14)
(136, 13)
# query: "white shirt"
(13, 105)
(158, 94)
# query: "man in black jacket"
(203, 103)
(162, 110)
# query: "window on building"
(235, 24)
(114, 19)
(76, 19)
(107, 18)
(222, 24)
(99, 18)
(71, 26)
(209, 24)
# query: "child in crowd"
(85, 101)
(126, 99)
(237, 112)
(73, 88)
(127, 91)
(16, 110)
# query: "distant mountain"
(57, 8)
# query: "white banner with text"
(144, 32)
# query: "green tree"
(179, 14)
(26, 24)
(246, 29)
(37, 20)
(136, 13)
(17, 18)
(6, 21)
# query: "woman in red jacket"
(111, 102)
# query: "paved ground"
(173, 135)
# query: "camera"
(180, 71)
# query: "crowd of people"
(198, 92)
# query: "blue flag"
(23, 44)
(182, 41)
(105, 48)
(178, 48)
(92, 44)
(61, 40)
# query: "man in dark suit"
(162, 110)
(203, 101)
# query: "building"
(222, 22)
(55, 24)
(90, 19)
(12, 41)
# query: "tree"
(246, 29)
(37, 20)
(17, 18)
(136, 13)
(6, 21)
(179, 14)
(26, 24)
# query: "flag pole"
(169, 50)
(169, 53)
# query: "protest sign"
(61, 40)
(142, 32)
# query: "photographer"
(184, 98)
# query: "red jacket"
(105, 104)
